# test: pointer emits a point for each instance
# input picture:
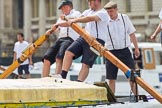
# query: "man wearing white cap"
(121, 33)
(159, 27)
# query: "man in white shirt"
(19, 47)
(96, 19)
(158, 29)
(121, 33)
(66, 36)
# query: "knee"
(111, 82)
(45, 61)
(85, 66)
(69, 54)
(58, 61)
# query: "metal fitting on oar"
(135, 73)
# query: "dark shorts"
(81, 47)
(57, 50)
(125, 56)
(25, 68)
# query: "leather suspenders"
(124, 32)
(96, 29)
(67, 31)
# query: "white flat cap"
(110, 5)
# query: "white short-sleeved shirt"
(118, 34)
(19, 48)
(64, 31)
(101, 25)
(160, 16)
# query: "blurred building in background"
(34, 17)
(40, 14)
(11, 22)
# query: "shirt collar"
(117, 19)
(70, 12)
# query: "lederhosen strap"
(67, 31)
(98, 39)
(110, 36)
(124, 29)
(96, 29)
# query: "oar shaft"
(12, 74)
(149, 89)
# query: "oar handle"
(50, 31)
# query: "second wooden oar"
(104, 52)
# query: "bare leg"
(68, 58)
(133, 88)
(19, 76)
(58, 66)
(83, 72)
(112, 85)
(46, 68)
(27, 76)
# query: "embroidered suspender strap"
(124, 29)
(110, 36)
(96, 28)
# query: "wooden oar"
(104, 52)
(25, 54)
(13, 75)
(2, 69)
